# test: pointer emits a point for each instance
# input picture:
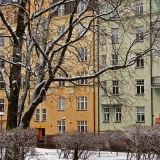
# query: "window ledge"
(139, 94)
(82, 110)
(140, 121)
(105, 121)
(139, 67)
(43, 121)
(61, 110)
(117, 122)
(37, 121)
(115, 42)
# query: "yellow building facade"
(66, 107)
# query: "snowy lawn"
(51, 154)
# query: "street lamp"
(1, 114)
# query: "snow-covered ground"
(51, 154)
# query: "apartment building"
(66, 107)
(130, 95)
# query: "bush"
(18, 143)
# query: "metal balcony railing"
(155, 80)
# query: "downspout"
(94, 90)
(98, 101)
(150, 17)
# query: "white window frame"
(103, 37)
(81, 6)
(114, 59)
(61, 83)
(2, 85)
(43, 114)
(115, 32)
(59, 56)
(139, 33)
(103, 61)
(118, 114)
(106, 114)
(140, 62)
(37, 115)
(61, 127)
(61, 31)
(104, 88)
(81, 28)
(1, 105)
(2, 40)
(61, 103)
(82, 103)
(2, 62)
(140, 86)
(139, 7)
(82, 81)
(140, 114)
(82, 126)
(82, 54)
(11, 17)
(115, 87)
(114, 14)
(61, 10)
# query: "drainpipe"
(94, 90)
(150, 17)
(98, 101)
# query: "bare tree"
(33, 38)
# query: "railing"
(155, 80)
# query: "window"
(59, 56)
(82, 126)
(114, 59)
(82, 54)
(103, 61)
(11, 18)
(106, 114)
(37, 115)
(2, 40)
(81, 28)
(115, 85)
(61, 83)
(23, 81)
(1, 83)
(140, 87)
(1, 105)
(61, 126)
(61, 10)
(61, 103)
(140, 114)
(60, 31)
(81, 6)
(103, 38)
(44, 115)
(114, 10)
(140, 62)
(2, 61)
(139, 7)
(82, 81)
(82, 103)
(103, 10)
(118, 114)
(139, 33)
(104, 88)
(115, 35)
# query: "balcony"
(155, 82)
